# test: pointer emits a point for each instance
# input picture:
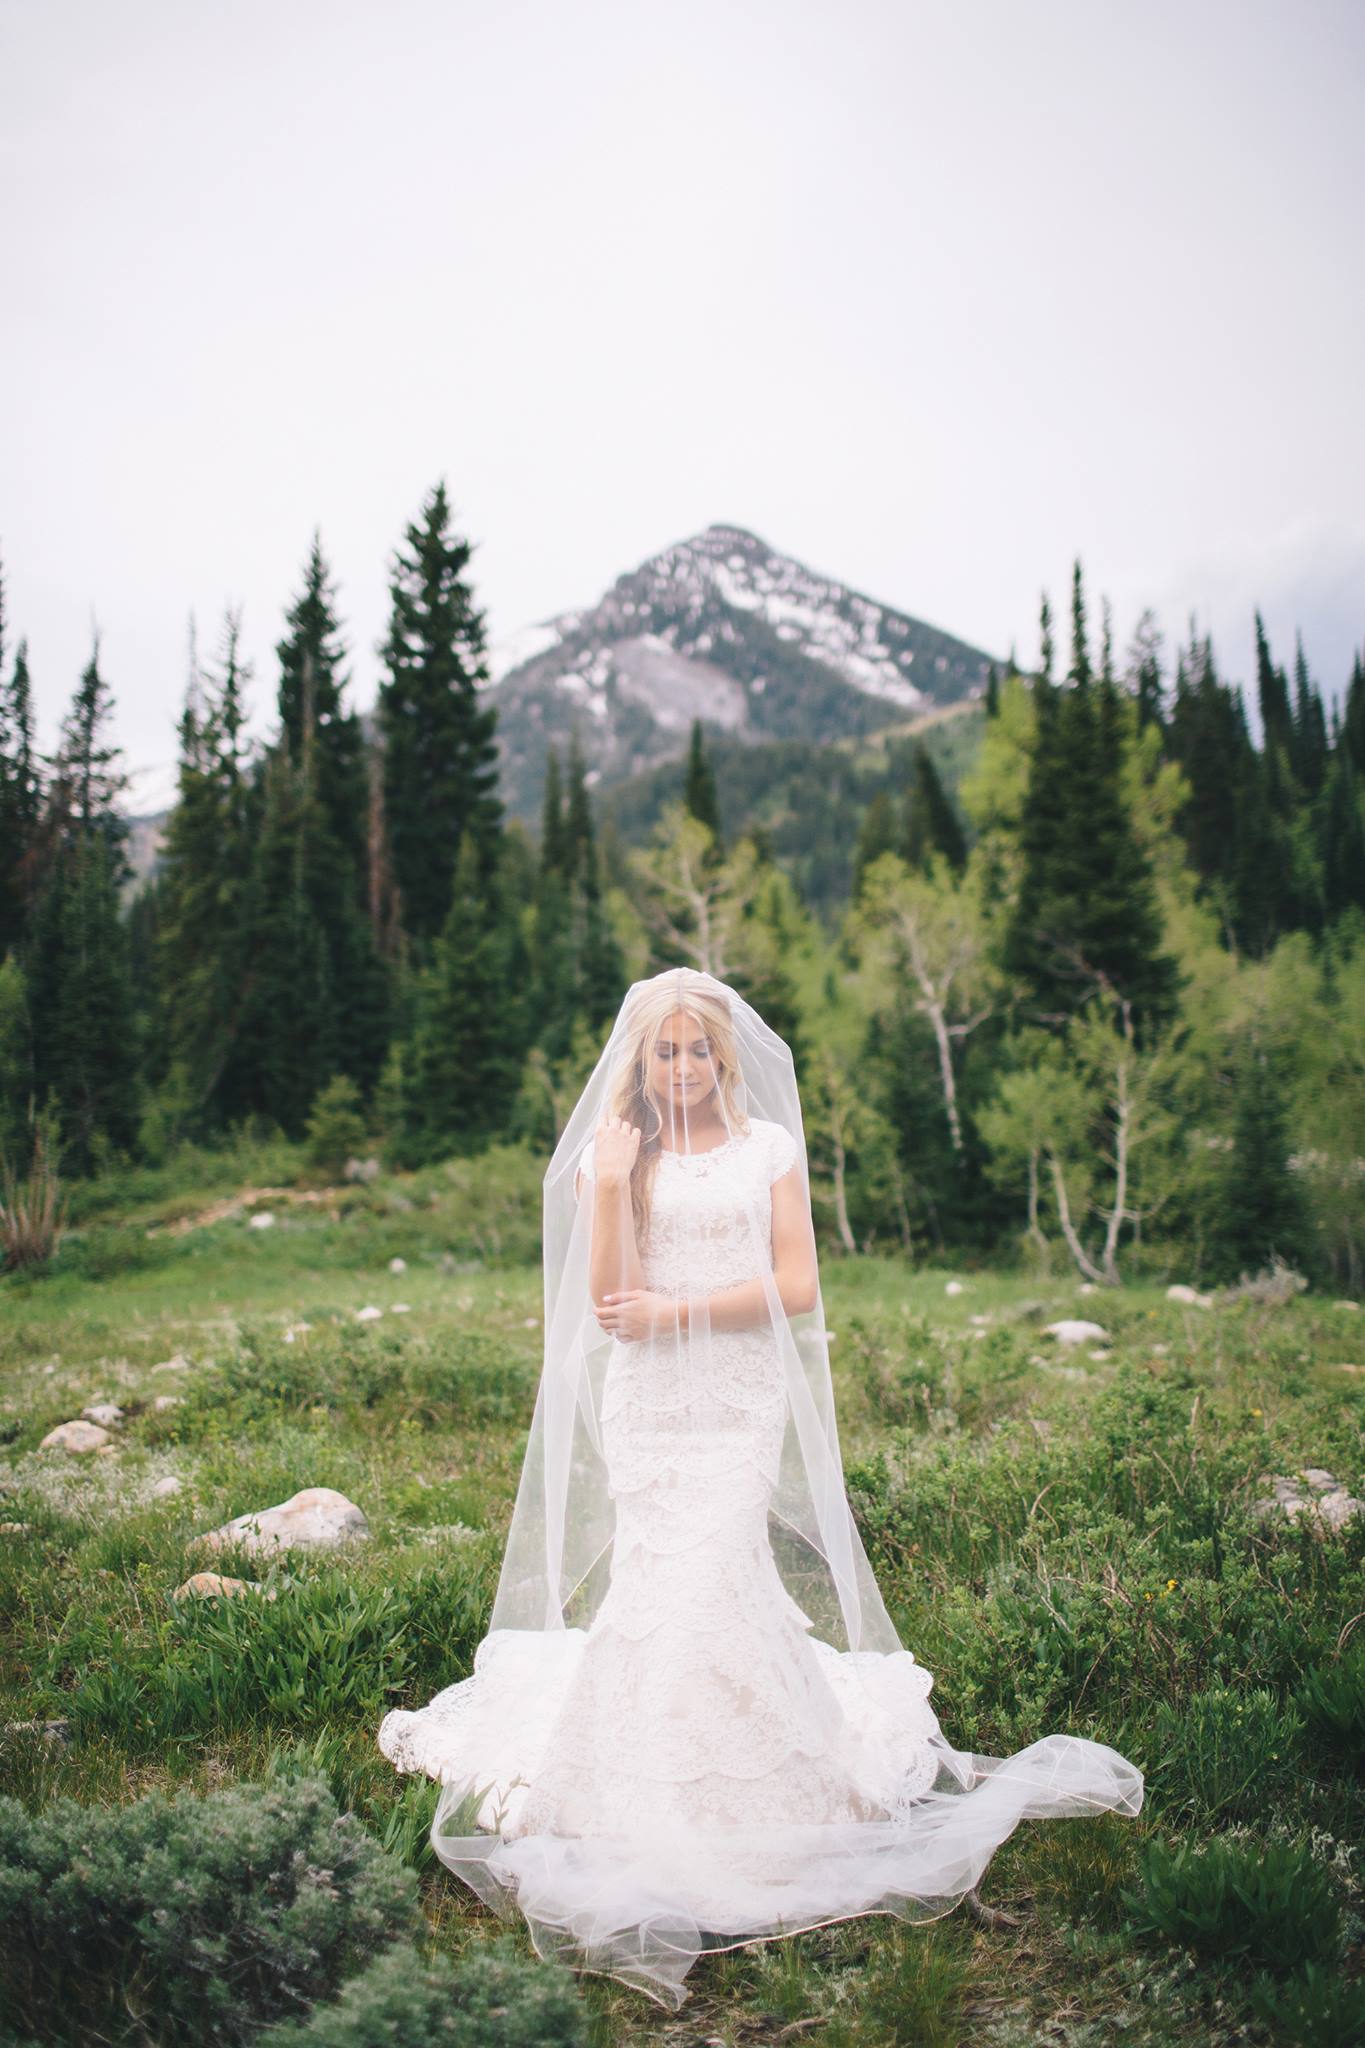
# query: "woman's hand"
(615, 1145)
(634, 1313)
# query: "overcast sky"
(934, 298)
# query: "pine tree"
(440, 753)
(312, 686)
(201, 933)
(284, 1048)
(75, 956)
(1046, 650)
(1309, 739)
(878, 834)
(699, 788)
(1087, 910)
(932, 826)
(1262, 1215)
(21, 803)
(17, 1104)
(466, 1061)
(1144, 671)
(1080, 671)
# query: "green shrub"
(1228, 1750)
(336, 1126)
(490, 1998)
(1317, 2008)
(1332, 1700)
(1268, 1904)
(323, 1651)
(192, 1918)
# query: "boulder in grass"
(163, 1488)
(1074, 1330)
(264, 1219)
(1313, 1495)
(210, 1585)
(397, 1265)
(368, 1314)
(106, 1413)
(315, 1519)
(952, 1287)
(1178, 1291)
(176, 1364)
(76, 1436)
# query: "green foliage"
(189, 1917)
(1316, 2008)
(319, 1651)
(1226, 1751)
(492, 1997)
(1272, 1905)
(1332, 1699)
(336, 1128)
(440, 757)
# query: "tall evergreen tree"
(21, 803)
(1046, 649)
(1262, 1215)
(877, 834)
(699, 787)
(932, 825)
(440, 753)
(1144, 671)
(75, 958)
(1080, 671)
(1309, 745)
(311, 693)
(466, 1061)
(1087, 906)
(202, 932)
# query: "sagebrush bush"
(194, 1917)
(1269, 1904)
(491, 1998)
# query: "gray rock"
(316, 1518)
(1313, 1493)
(106, 1413)
(1073, 1330)
(76, 1436)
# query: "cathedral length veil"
(691, 1723)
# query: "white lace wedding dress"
(696, 1768)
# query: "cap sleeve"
(585, 1160)
(781, 1152)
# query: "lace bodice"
(706, 1207)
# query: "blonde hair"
(676, 989)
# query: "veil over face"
(693, 1068)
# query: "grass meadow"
(1068, 1541)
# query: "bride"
(691, 1723)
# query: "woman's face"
(682, 1070)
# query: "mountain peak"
(723, 627)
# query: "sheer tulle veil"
(691, 1722)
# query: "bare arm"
(614, 1260)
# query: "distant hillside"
(807, 805)
(722, 628)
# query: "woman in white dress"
(692, 1723)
